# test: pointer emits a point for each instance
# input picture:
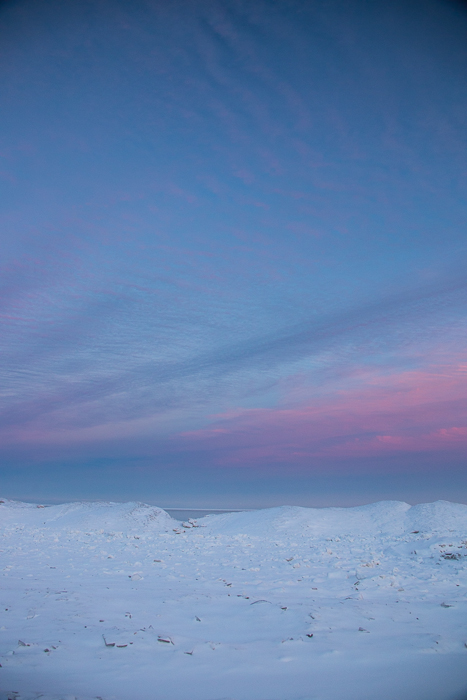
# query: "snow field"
(120, 601)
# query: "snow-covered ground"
(120, 601)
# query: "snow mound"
(94, 516)
(440, 516)
(388, 518)
(383, 517)
(391, 518)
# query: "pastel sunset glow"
(233, 251)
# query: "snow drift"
(80, 516)
(118, 600)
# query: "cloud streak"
(125, 386)
(409, 412)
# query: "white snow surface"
(119, 601)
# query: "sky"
(233, 251)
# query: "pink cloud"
(407, 412)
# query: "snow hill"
(93, 517)
(119, 601)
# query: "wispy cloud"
(407, 412)
(70, 380)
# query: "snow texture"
(119, 601)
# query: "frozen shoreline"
(194, 513)
(121, 601)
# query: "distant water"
(185, 513)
